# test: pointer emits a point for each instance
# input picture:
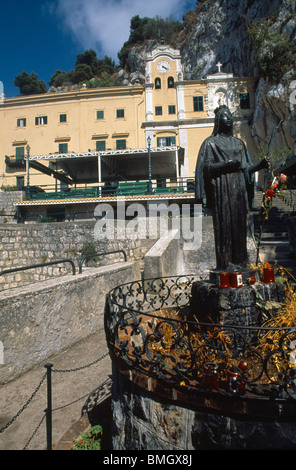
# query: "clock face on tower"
(163, 66)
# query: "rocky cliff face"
(217, 31)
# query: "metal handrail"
(94, 255)
(178, 184)
(32, 266)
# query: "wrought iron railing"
(113, 189)
(151, 329)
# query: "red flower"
(269, 193)
(282, 178)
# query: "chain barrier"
(49, 370)
(25, 405)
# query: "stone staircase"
(275, 247)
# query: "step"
(285, 262)
(275, 236)
(279, 247)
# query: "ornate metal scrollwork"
(149, 326)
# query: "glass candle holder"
(268, 275)
(224, 280)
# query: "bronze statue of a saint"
(224, 181)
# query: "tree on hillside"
(275, 51)
(59, 78)
(29, 84)
(87, 66)
(142, 29)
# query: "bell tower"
(163, 87)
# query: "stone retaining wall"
(40, 320)
(7, 208)
(24, 245)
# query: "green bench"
(132, 189)
(46, 196)
(81, 193)
(165, 190)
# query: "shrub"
(275, 51)
(90, 440)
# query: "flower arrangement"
(274, 189)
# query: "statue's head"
(223, 120)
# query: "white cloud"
(104, 25)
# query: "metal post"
(149, 163)
(177, 167)
(27, 164)
(48, 410)
(100, 174)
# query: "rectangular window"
(158, 110)
(198, 103)
(40, 120)
(101, 145)
(120, 113)
(172, 109)
(21, 122)
(166, 141)
(19, 153)
(100, 114)
(120, 144)
(244, 101)
(20, 182)
(63, 148)
(63, 117)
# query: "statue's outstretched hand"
(233, 165)
(264, 163)
(260, 166)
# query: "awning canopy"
(112, 165)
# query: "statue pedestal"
(236, 306)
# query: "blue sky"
(43, 36)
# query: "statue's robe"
(228, 194)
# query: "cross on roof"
(219, 65)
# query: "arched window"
(171, 83)
(157, 83)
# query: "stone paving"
(74, 387)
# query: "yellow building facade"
(103, 135)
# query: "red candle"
(235, 382)
(224, 280)
(236, 280)
(211, 375)
(268, 275)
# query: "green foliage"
(82, 73)
(105, 80)
(29, 84)
(275, 52)
(87, 67)
(88, 249)
(90, 440)
(97, 66)
(276, 156)
(59, 78)
(6, 188)
(142, 29)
